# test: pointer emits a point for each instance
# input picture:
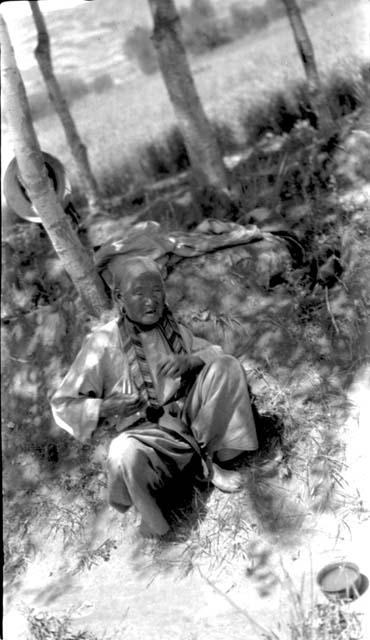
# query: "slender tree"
(306, 52)
(203, 151)
(75, 258)
(78, 149)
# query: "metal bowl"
(340, 581)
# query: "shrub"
(285, 113)
(245, 20)
(139, 47)
(279, 113)
(40, 105)
(202, 29)
(275, 10)
(73, 88)
(365, 74)
(179, 159)
(161, 158)
(102, 83)
(240, 18)
(225, 137)
(155, 160)
(343, 94)
(116, 179)
(202, 10)
(302, 100)
(259, 19)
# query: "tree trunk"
(78, 149)
(203, 150)
(75, 259)
(306, 52)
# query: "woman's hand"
(120, 405)
(179, 365)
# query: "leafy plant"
(45, 626)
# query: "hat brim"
(15, 194)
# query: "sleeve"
(207, 351)
(76, 403)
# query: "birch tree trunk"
(75, 258)
(78, 149)
(306, 52)
(203, 150)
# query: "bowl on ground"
(342, 581)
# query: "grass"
(235, 84)
(44, 626)
(297, 340)
(166, 155)
(295, 361)
(320, 621)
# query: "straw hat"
(15, 193)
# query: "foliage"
(101, 83)
(43, 331)
(329, 621)
(167, 157)
(236, 86)
(203, 29)
(44, 626)
(249, 20)
(138, 46)
(73, 88)
(280, 115)
(294, 333)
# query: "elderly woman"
(170, 395)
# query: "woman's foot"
(146, 531)
(225, 480)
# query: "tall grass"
(166, 155)
(205, 29)
(236, 86)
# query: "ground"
(294, 309)
(243, 565)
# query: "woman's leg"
(135, 473)
(218, 410)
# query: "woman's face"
(144, 299)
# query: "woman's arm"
(200, 347)
(199, 353)
(77, 402)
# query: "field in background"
(93, 41)
(233, 81)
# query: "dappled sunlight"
(291, 304)
(277, 507)
(285, 340)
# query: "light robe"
(216, 412)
